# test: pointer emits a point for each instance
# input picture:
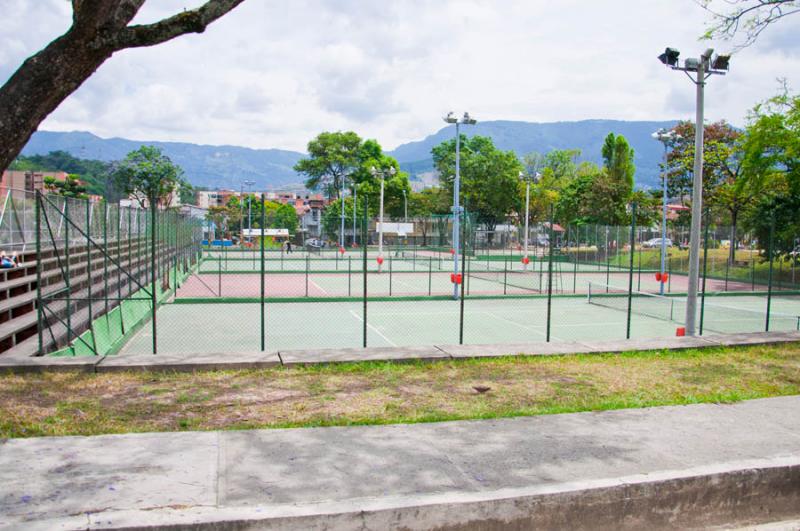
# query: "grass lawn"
(380, 393)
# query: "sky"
(273, 74)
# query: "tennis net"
(717, 317)
(527, 280)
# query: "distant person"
(288, 247)
(8, 262)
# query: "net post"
(465, 276)
(630, 270)
(505, 277)
(263, 287)
(771, 257)
(430, 273)
(153, 287)
(705, 273)
(550, 273)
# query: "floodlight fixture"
(670, 57)
(450, 118)
(721, 62)
(468, 120)
(691, 64)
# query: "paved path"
(190, 477)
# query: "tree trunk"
(100, 28)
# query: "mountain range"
(271, 169)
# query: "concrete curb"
(255, 360)
(750, 491)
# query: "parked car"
(315, 243)
(656, 243)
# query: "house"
(28, 181)
(309, 212)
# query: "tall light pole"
(702, 68)
(405, 206)
(527, 178)
(466, 120)
(382, 173)
(664, 136)
(355, 196)
(341, 206)
(241, 209)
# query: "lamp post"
(382, 173)
(466, 120)
(703, 67)
(341, 207)
(355, 196)
(248, 184)
(665, 137)
(405, 206)
(527, 178)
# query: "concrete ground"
(668, 467)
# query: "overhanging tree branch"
(99, 29)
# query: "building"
(213, 198)
(309, 212)
(28, 181)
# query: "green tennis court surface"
(218, 327)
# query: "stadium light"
(702, 68)
(382, 173)
(664, 136)
(248, 184)
(451, 118)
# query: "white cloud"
(276, 74)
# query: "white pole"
(380, 231)
(527, 215)
(341, 206)
(355, 196)
(456, 210)
(697, 205)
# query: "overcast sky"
(276, 73)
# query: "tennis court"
(227, 327)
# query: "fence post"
(307, 265)
(263, 287)
(550, 274)
(89, 271)
(67, 280)
(349, 272)
(39, 309)
(463, 274)
(630, 270)
(771, 256)
(705, 273)
(105, 257)
(153, 287)
(365, 244)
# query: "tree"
(99, 29)
(749, 17)
(69, 187)
(618, 160)
(93, 173)
(771, 163)
(489, 178)
(332, 157)
(147, 175)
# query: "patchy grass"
(382, 393)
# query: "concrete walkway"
(241, 360)
(682, 467)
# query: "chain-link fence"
(576, 282)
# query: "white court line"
(392, 343)
(318, 287)
(543, 334)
